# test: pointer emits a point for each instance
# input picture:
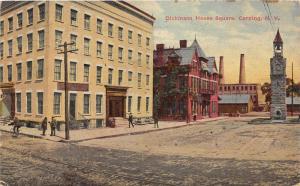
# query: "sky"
(230, 38)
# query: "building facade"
(235, 104)
(185, 83)
(109, 76)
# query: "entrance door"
(72, 108)
(116, 107)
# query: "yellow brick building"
(109, 76)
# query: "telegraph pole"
(292, 109)
(65, 51)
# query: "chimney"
(183, 43)
(221, 71)
(160, 52)
(160, 47)
(242, 78)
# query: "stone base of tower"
(278, 112)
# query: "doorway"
(116, 106)
(72, 108)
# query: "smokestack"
(221, 71)
(242, 78)
(183, 43)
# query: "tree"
(266, 90)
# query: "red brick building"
(185, 83)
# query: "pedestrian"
(53, 126)
(44, 126)
(130, 120)
(17, 125)
(155, 122)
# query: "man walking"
(155, 122)
(17, 126)
(53, 126)
(44, 126)
(130, 120)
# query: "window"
(29, 70)
(147, 41)
(42, 11)
(129, 55)
(57, 69)
(110, 52)
(110, 29)
(87, 19)
(1, 27)
(56, 103)
(1, 50)
(147, 59)
(29, 42)
(139, 104)
(129, 76)
(9, 72)
(74, 41)
(120, 54)
(86, 103)
(147, 79)
(19, 71)
(10, 24)
(40, 98)
(28, 102)
(10, 47)
(73, 17)
(120, 77)
(129, 103)
(120, 33)
(58, 38)
(86, 46)
(99, 74)
(139, 39)
(99, 26)
(99, 49)
(72, 71)
(20, 20)
(86, 71)
(41, 39)
(110, 76)
(40, 72)
(147, 104)
(139, 80)
(58, 12)
(19, 42)
(1, 74)
(30, 16)
(139, 59)
(129, 36)
(99, 103)
(18, 97)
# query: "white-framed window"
(120, 77)
(129, 76)
(56, 103)
(28, 102)
(139, 59)
(73, 17)
(29, 70)
(120, 54)
(129, 56)
(41, 34)
(86, 46)
(20, 20)
(110, 29)
(29, 42)
(58, 12)
(40, 70)
(129, 36)
(147, 59)
(73, 39)
(99, 49)
(58, 38)
(86, 72)
(73, 71)
(139, 103)
(110, 76)
(10, 24)
(19, 71)
(57, 69)
(99, 103)
(1, 27)
(19, 43)
(139, 80)
(120, 33)
(147, 80)
(10, 47)
(147, 41)
(30, 16)
(99, 74)
(147, 104)
(1, 50)
(42, 11)
(129, 103)
(1, 74)
(40, 103)
(9, 72)
(110, 52)
(18, 102)
(87, 22)
(99, 26)
(139, 39)
(86, 103)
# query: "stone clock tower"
(278, 67)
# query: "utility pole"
(292, 109)
(65, 51)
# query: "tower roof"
(277, 38)
(196, 46)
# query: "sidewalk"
(105, 132)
